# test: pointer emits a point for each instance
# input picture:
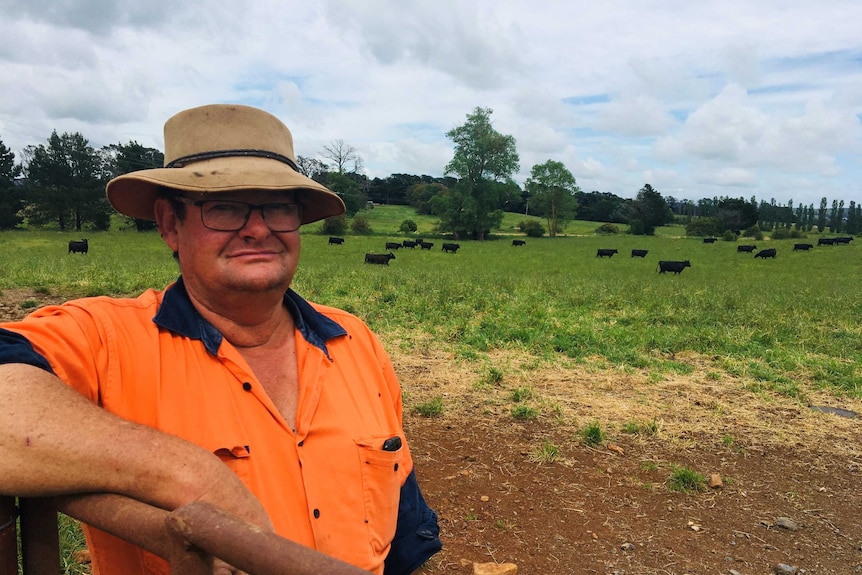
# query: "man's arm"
(56, 442)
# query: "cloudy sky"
(735, 98)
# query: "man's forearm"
(56, 442)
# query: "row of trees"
(63, 184)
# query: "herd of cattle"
(664, 266)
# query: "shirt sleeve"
(417, 535)
(15, 348)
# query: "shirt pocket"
(381, 489)
(236, 456)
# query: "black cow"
(639, 253)
(408, 244)
(81, 247)
(333, 241)
(601, 253)
(451, 248)
(519, 243)
(709, 240)
(770, 253)
(425, 245)
(672, 266)
(382, 259)
(393, 246)
(746, 249)
(825, 241)
(803, 247)
(419, 241)
(843, 240)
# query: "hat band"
(191, 158)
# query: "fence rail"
(188, 537)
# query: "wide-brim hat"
(223, 148)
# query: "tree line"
(61, 183)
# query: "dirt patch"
(530, 491)
(789, 474)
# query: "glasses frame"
(249, 206)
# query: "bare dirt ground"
(790, 476)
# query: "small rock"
(495, 569)
(715, 480)
(785, 569)
(734, 572)
(787, 523)
(485, 498)
(627, 547)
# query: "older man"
(226, 386)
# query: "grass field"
(788, 324)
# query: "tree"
(483, 157)
(11, 193)
(66, 182)
(311, 167)
(124, 158)
(821, 216)
(341, 155)
(349, 190)
(648, 211)
(552, 189)
(735, 214)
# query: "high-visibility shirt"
(330, 485)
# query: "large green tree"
(552, 189)
(648, 211)
(484, 161)
(66, 183)
(124, 158)
(11, 193)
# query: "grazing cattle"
(601, 253)
(81, 247)
(382, 259)
(419, 241)
(408, 244)
(825, 241)
(746, 249)
(843, 240)
(393, 246)
(770, 253)
(333, 241)
(709, 240)
(803, 247)
(672, 266)
(639, 253)
(451, 248)
(519, 243)
(426, 245)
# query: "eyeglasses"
(230, 215)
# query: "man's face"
(214, 263)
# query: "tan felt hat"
(223, 148)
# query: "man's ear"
(166, 222)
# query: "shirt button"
(246, 386)
(316, 513)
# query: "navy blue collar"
(178, 315)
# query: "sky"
(699, 99)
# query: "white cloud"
(714, 97)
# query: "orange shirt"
(330, 486)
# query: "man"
(227, 386)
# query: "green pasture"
(789, 325)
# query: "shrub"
(334, 226)
(533, 228)
(780, 234)
(637, 227)
(729, 236)
(608, 229)
(705, 227)
(408, 226)
(360, 224)
(753, 232)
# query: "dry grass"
(703, 408)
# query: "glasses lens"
(230, 216)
